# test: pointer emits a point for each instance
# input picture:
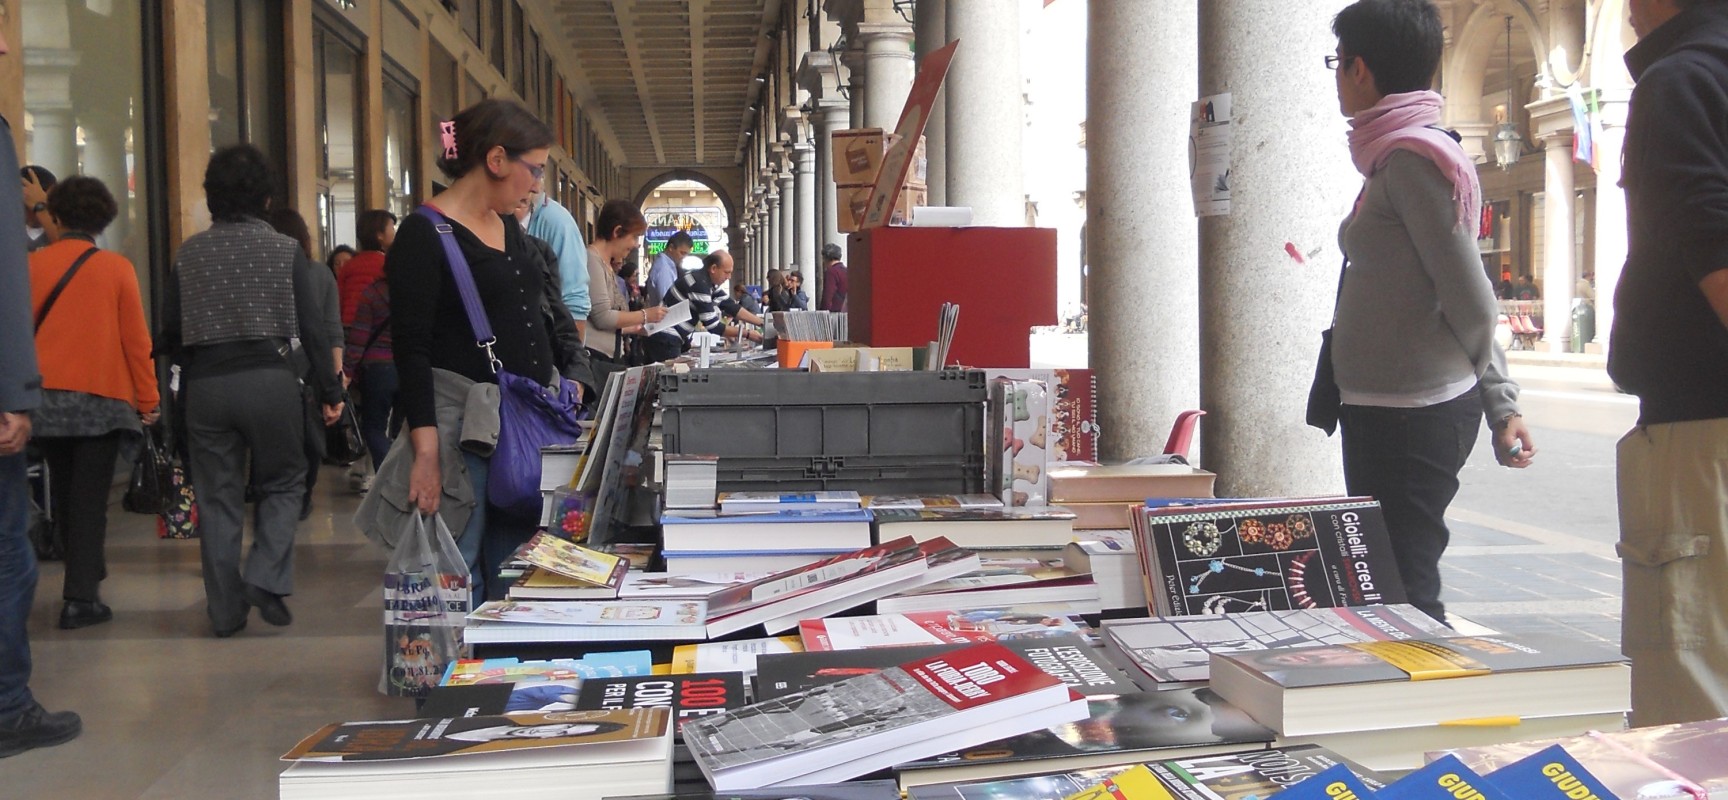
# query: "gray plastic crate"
(790, 430)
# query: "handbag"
(530, 416)
(343, 442)
(1324, 398)
(150, 489)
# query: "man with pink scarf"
(1413, 338)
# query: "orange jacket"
(94, 339)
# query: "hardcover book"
(689, 696)
(1231, 558)
(1120, 731)
(854, 727)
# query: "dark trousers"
(83, 470)
(377, 397)
(1409, 459)
(256, 415)
(17, 587)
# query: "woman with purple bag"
(495, 154)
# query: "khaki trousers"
(1673, 481)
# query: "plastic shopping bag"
(425, 603)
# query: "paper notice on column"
(1209, 155)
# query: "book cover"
(438, 738)
(1134, 726)
(1073, 422)
(881, 501)
(1333, 783)
(592, 613)
(1635, 764)
(937, 627)
(782, 674)
(1251, 774)
(735, 656)
(1074, 662)
(863, 707)
(1420, 659)
(492, 699)
(1444, 779)
(1136, 783)
(540, 584)
(851, 790)
(996, 573)
(1019, 424)
(731, 502)
(693, 585)
(1209, 560)
(1176, 649)
(1551, 774)
(471, 671)
(571, 560)
(689, 697)
(1054, 786)
(827, 572)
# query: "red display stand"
(1004, 280)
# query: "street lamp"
(1508, 145)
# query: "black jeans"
(81, 469)
(1409, 459)
(377, 398)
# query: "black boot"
(35, 727)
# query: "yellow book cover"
(571, 560)
(1136, 784)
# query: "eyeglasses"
(1334, 62)
(537, 170)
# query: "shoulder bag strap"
(54, 294)
(464, 278)
(378, 329)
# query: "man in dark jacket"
(24, 724)
(1670, 348)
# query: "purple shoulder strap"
(464, 278)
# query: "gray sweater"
(1416, 315)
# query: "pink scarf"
(1400, 122)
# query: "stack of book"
(1105, 497)
(1384, 703)
(1002, 581)
(942, 627)
(1110, 557)
(691, 483)
(981, 528)
(765, 531)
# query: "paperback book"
(854, 578)
(980, 528)
(1445, 778)
(682, 586)
(856, 726)
(1552, 774)
(1176, 650)
(689, 697)
(1066, 658)
(1270, 557)
(775, 502)
(738, 655)
(1663, 762)
(572, 560)
(439, 738)
(941, 627)
(471, 671)
(1120, 731)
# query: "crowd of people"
(270, 345)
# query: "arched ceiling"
(674, 79)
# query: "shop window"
(401, 152)
(469, 10)
(495, 23)
(441, 85)
(246, 84)
(84, 108)
(340, 164)
(518, 45)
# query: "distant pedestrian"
(833, 279)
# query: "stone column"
(1143, 268)
(788, 217)
(1269, 269)
(931, 26)
(832, 117)
(986, 113)
(857, 82)
(1611, 242)
(888, 60)
(804, 217)
(1552, 122)
(771, 228)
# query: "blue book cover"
(1445, 779)
(1334, 783)
(1552, 774)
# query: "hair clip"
(447, 130)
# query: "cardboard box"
(854, 200)
(857, 155)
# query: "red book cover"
(937, 627)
